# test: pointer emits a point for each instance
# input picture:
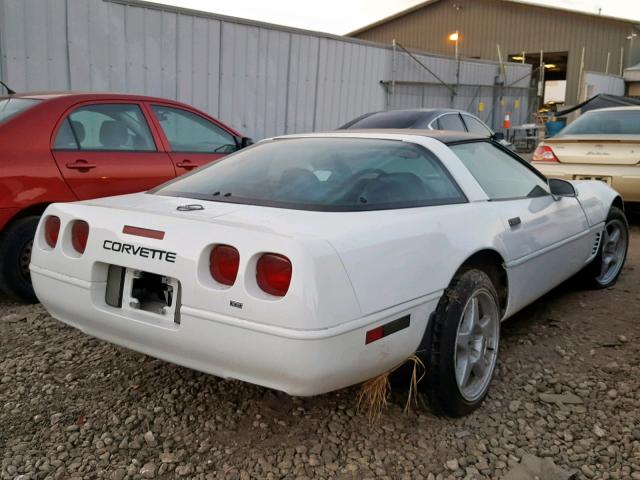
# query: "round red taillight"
(51, 230)
(223, 264)
(79, 235)
(273, 273)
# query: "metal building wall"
(476, 92)
(596, 82)
(262, 79)
(517, 28)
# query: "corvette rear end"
(309, 263)
(233, 299)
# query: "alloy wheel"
(477, 343)
(614, 248)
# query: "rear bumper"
(625, 179)
(299, 362)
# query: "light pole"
(455, 38)
(630, 38)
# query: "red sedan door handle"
(188, 164)
(81, 165)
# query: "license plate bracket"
(601, 178)
(153, 295)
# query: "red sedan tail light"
(544, 154)
(273, 273)
(51, 230)
(79, 235)
(223, 264)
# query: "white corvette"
(308, 263)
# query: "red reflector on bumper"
(387, 329)
(375, 334)
(143, 232)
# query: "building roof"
(426, 3)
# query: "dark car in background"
(62, 147)
(426, 118)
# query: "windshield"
(611, 122)
(325, 174)
(12, 106)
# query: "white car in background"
(309, 263)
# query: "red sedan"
(61, 147)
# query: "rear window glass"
(105, 127)
(451, 121)
(476, 126)
(325, 174)
(391, 119)
(617, 122)
(12, 106)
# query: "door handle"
(80, 165)
(515, 221)
(188, 164)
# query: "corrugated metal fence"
(482, 88)
(262, 79)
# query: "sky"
(343, 16)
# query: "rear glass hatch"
(11, 106)
(329, 174)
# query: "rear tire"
(464, 344)
(15, 255)
(605, 268)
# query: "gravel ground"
(75, 407)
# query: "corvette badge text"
(144, 252)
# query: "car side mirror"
(497, 136)
(561, 188)
(242, 142)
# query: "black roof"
(445, 136)
(405, 118)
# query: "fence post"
(494, 103)
(392, 91)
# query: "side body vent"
(596, 243)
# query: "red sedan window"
(100, 127)
(188, 132)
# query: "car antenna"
(9, 91)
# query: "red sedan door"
(105, 149)
(193, 139)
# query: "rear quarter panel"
(401, 255)
(391, 257)
(28, 173)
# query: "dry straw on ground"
(374, 393)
